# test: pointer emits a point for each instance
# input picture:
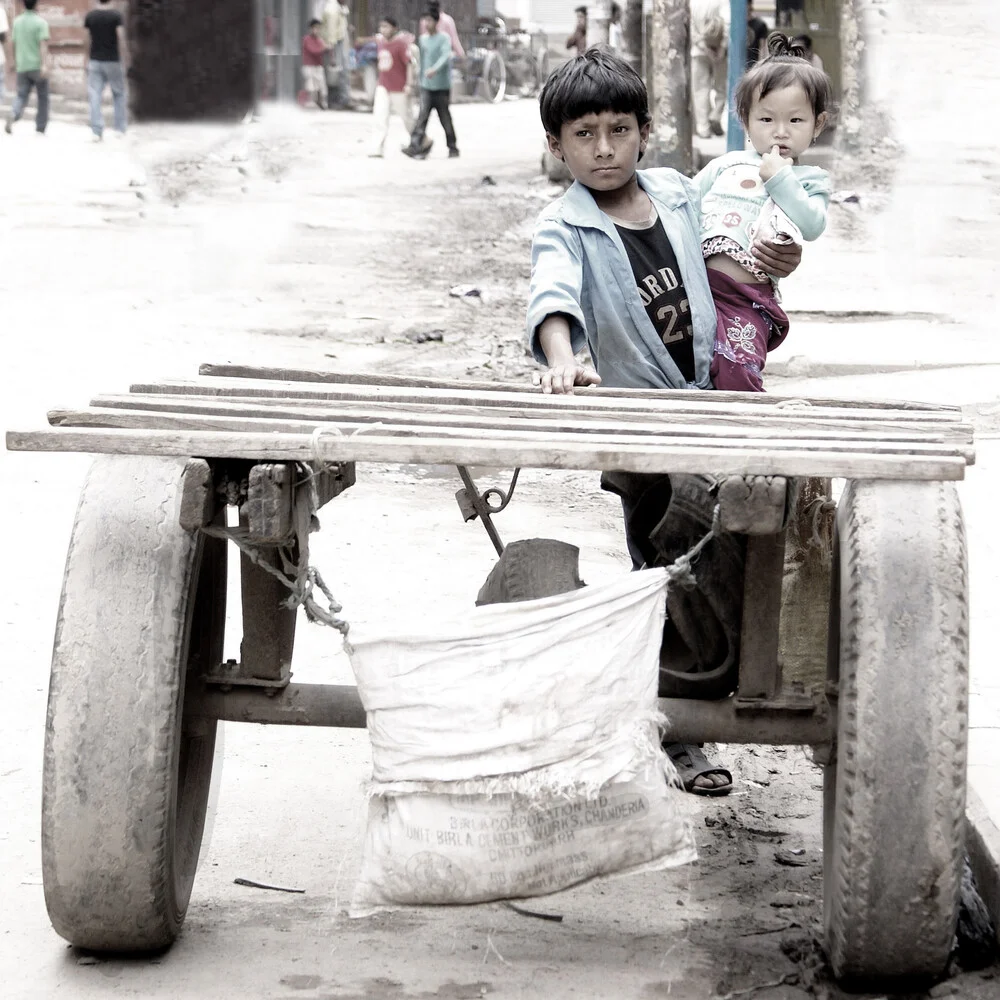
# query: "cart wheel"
(894, 793)
(127, 771)
(494, 77)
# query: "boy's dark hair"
(314, 22)
(593, 82)
(785, 65)
(433, 12)
(389, 20)
(580, 10)
(30, 4)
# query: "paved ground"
(310, 254)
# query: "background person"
(709, 49)
(30, 42)
(105, 67)
(435, 86)
(314, 53)
(578, 40)
(392, 93)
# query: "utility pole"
(670, 135)
(598, 18)
(632, 34)
(737, 64)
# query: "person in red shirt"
(394, 90)
(313, 51)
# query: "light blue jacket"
(579, 267)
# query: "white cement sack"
(516, 750)
(558, 693)
(436, 849)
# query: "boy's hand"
(561, 378)
(777, 258)
(771, 162)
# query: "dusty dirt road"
(283, 243)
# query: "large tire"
(127, 771)
(894, 809)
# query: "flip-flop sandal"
(691, 763)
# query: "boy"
(616, 266)
(391, 94)
(107, 41)
(314, 51)
(435, 86)
(30, 40)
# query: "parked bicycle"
(505, 62)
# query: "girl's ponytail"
(781, 45)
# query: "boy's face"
(386, 29)
(581, 20)
(601, 149)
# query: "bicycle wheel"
(494, 78)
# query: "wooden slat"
(426, 382)
(682, 402)
(533, 436)
(370, 447)
(573, 420)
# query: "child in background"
(782, 103)
(313, 52)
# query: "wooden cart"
(138, 683)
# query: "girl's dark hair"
(786, 64)
(593, 82)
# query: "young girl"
(782, 103)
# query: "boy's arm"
(555, 318)
(803, 200)
(444, 60)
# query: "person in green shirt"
(30, 40)
(435, 85)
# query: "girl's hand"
(561, 378)
(772, 162)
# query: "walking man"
(4, 32)
(435, 86)
(392, 95)
(335, 32)
(30, 38)
(105, 69)
(709, 49)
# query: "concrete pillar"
(670, 135)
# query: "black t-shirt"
(757, 31)
(103, 25)
(661, 289)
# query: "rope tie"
(301, 579)
(680, 571)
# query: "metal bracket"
(474, 504)
(232, 674)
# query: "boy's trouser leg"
(25, 81)
(115, 74)
(420, 129)
(345, 73)
(442, 106)
(402, 107)
(720, 67)
(42, 118)
(95, 90)
(380, 119)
